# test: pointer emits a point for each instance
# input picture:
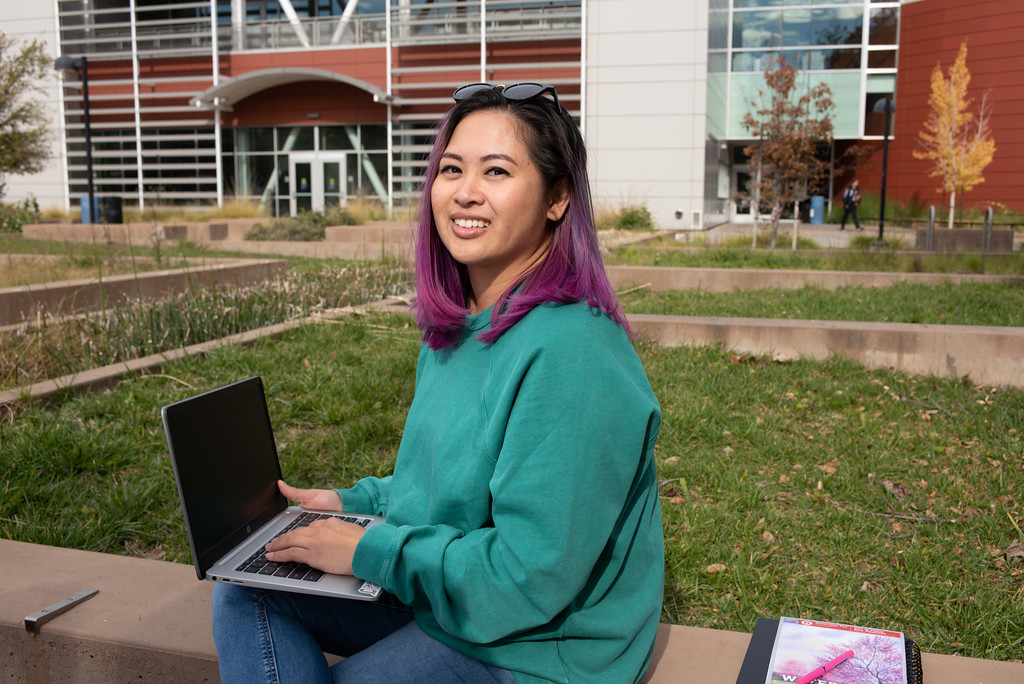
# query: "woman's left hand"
(326, 545)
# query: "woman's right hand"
(318, 499)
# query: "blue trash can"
(817, 210)
(94, 216)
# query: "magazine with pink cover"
(803, 646)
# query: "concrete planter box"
(965, 240)
(68, 297)
(144, 232)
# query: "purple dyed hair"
(572, 271)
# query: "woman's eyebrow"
(485, 158)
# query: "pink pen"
(827, 667)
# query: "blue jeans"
(281, 637)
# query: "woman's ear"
(558, 200)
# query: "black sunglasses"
(518, 92)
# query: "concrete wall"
(150, 621)
(74, 296)
(986, 355)
(645, 97)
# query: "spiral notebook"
(784, 650)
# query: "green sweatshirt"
(523, 521)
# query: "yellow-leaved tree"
(958, 142)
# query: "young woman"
(523, 540)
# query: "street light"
(886, 105)
(80, 65)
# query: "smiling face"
(490, 206)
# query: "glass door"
(315, 181)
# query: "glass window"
(337, 138)
(883, 28)
(753, 61)
(756, 29)
(718, 62)
(374, 176)
(796, 27)
(777, 3)
(227, 141)
(837, 26)
(882, 59)
(255, 172)
(352, 175)
(256, 139)
(814, 60)
(881, 83)
(374, 136)
(283, 169)
(228, 169)
(296, 138)
(874, 113)
(718, 31)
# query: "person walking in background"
(851, 199)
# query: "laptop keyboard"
(258, 563)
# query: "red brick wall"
(291, 105)
(931, 32)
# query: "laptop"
(226, 467)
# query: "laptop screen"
(225, 463)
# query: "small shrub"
(864, 241)
(308, 226)
(235, 207)
(14, 216)
(364, 209)
(339, 216)
(634, 217)
(605, 218)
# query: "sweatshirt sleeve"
(573, 425)
(368, 496)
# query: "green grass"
(736, 253)
(998, 304)
(811, 488)
(817, 489)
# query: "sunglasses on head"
(518, 92)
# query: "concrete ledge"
(988, 355)
(370, 241)
(369, 250)
(386, 233)
(150, 621)
(966, 239)
(144, 232)
(72, 296)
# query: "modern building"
(308, 103)
(930, 34)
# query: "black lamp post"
(888, 106)
(81, 65)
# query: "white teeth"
(471, 223)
